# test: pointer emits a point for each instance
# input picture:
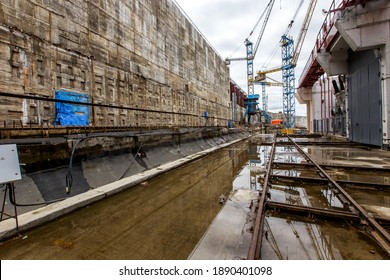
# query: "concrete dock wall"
(126, 55)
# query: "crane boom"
(261, 75)
(236, 59)
(269, 10)
(297, 50)
(302, 34)
(293, 19)
(290, 57)
(269, 84)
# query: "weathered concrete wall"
(102, 160)
(130, 53)
(54, 152)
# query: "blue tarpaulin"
(68, 114)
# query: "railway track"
(376, 226)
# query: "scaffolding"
(288, 74)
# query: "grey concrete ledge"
(55, 210)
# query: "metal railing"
(322, 36)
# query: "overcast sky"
(227, 23)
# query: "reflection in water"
(292, 239)
(163, 218)
(251, 176)
(332, 199)
(287, 154)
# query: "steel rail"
(312, 135)
(316, 143)
(324, 181)
(255, 245)
(299, 209)
(379, 233)
(281, 165)
(321, 212)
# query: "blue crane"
(290, 57)
(252, 101)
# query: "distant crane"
(252, 107)
(264, 95)
(289, 61)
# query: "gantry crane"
(252, 107)
(290, 57)
(264, 96)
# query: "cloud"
(227, 23)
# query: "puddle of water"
(309, 195)
(253, 172)
(374, 201)
(287, 154)
(229, 236)
(261, 139)
(298, 238)
(361, 176)
(294, 238)
(350, 156)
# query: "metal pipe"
(322, 101)
(329, 105)
(313, 135)
(382, 236)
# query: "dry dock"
(207, 209)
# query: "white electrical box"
(9, 164)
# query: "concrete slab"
(156, 156)
(101, 171)
(47, 213)
(190, 148)
(26, 192)
(228, 236)
(52, 183)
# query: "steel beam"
(321, 212)
(312, 135)
(325, 181)
(316, 143)
(299, 209)
(304, 166)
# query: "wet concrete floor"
(179, 215)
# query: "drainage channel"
(300, 197)
(163, 218)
